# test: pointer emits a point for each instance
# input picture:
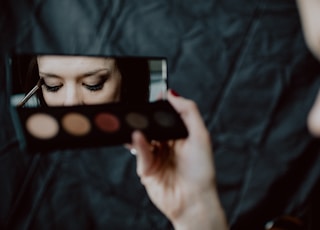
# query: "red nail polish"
(174, 93)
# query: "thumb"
(190, 115)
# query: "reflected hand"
(179, 175)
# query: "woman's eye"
(52, 89)
(97, 86)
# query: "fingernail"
(174, 93)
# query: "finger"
(160, 95)
(128, 146)
(189, 113)
(144, 156)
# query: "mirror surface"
(64, 80)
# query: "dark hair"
(135, 78)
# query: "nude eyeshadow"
(42, 126)
(76, 124)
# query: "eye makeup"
(107, 122)
(42, 126)
(64, 127)
(137, 120)
(95, 85)
(76, 124)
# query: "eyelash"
(52, 89)
(95, 87)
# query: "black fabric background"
(244, 62)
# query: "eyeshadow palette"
(64, 127)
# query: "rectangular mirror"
(64, 80)
(64, 101)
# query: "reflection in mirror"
(90, 101)
(62, 80)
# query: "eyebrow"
(94, 72)
(87, 74)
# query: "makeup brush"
(30, 93)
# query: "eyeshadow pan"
(107, 122)
(137, 120)
(76, 124)
(164, 119)
(42, 126)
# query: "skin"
(79, 80)
(310, 16)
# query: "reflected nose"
(72, 96)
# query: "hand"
(180, 177)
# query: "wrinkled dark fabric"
(244, 62)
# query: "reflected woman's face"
(79, 80)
